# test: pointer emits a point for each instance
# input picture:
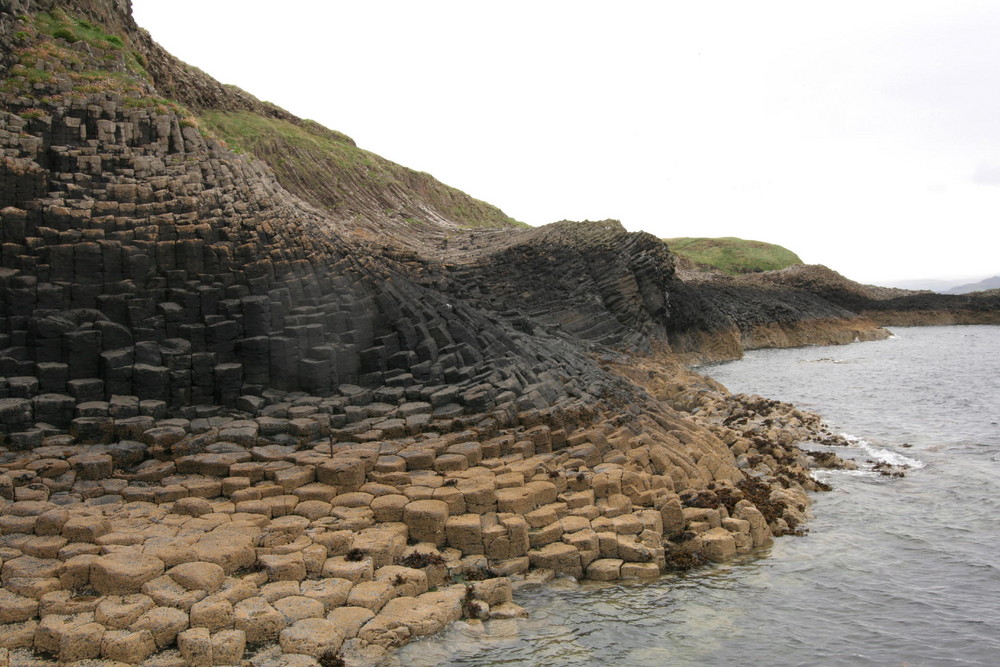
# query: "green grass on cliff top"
(328, 169)
(323, 166)
(732, 255)
(46, 58)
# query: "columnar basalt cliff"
(841, 299)
(298, 415)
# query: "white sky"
(864, 135)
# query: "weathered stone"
(164, 623)
(192, 507)
(80, 642)
(345, 474)
(231, 550)
(313, 509)
(406, 581)
(168, 593)
(122, 573)
(760, 533)
(297, 607)
(16, 608)
(558, 557)
(507, 610)
(312, 636)
(465, 533)
(640, 570)
(354, 571)
(389, 508)
(350, 619)
(518, 500)
(371, 595)
(18, 635)
(426, 520)
(258, 620)
(331, 592)
(126, 646)
(605, 569)
(85, 528)
(195, 644)
(418, 617)
(117, 611)
(66, 602)
(214, 613)
(228, 647)
(198, 575)
(92, 466)
(718, 545)
(287, 567)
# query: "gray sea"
(893, 571)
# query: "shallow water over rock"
(893, 570)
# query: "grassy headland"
(733, 255)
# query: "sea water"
(893, 571)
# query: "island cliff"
(263, 393)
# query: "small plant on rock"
(480, 574)
(681, 561)
(66, 34)
(331, 659)
(32, 113)
(471, 608)
(418, 559)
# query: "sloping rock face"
(141, 258)
(825, 293)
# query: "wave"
(882, 454)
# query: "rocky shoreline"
(271, 535)
(260, 412)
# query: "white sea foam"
(882, 454)
(823, 475)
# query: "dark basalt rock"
(140, 258)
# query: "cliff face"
(125, 227)
(314, 368)
(882, 305)
(141, 253)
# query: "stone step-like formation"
(203, 536)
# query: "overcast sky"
(864, 135)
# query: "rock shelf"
(271, 533)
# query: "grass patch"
(247, 132)
(320, 165)
(326, 168)
(58, 23)
(47, 54)
(32, 113)
(733, 255)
